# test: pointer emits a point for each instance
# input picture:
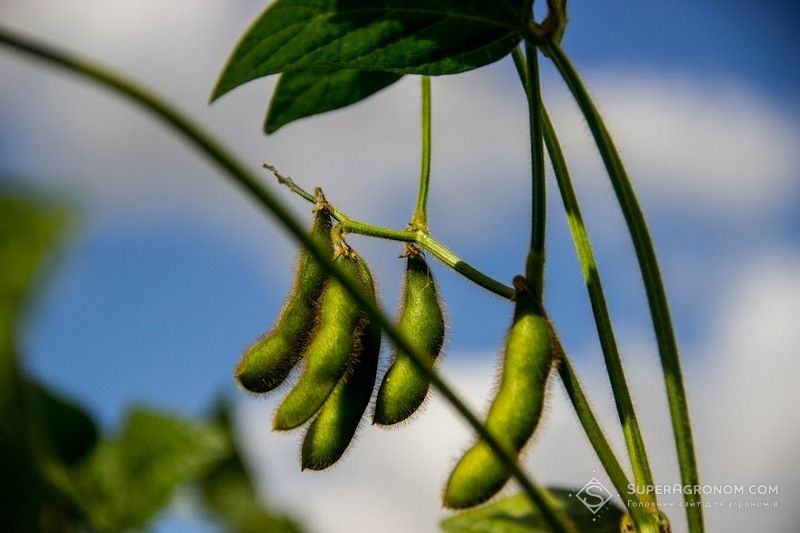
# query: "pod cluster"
(321, 324)
(516, 408)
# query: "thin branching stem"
(567, 374)
(416, 235)
(654, 286)
(644, 520)
(534, 268)
(616, 374)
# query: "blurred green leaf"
(28, 232)
(228, 493)
(401, 36)
(64, 430)
(516, 514)
(54, 476)
(303, 93)
(125, 481)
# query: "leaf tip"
(218, 90)
(271, 125)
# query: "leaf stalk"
(420, 218)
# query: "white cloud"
(754, 427)
(703, 143)
(690, 142)
(741, 387)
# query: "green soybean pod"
(333, 429)
(268, 361)
(404, 387)
(516, 408)
(333, 342)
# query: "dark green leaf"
(124, 482)
(27, 234)
(21, 486)
(63, 429)
(28, 231)
(401, 36)
(302, 93)
(516, 514)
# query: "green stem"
(249, 183)
(465, 269)
(617, 377)
(605, 331)
(419, 236)
(656, 295)
(571, 383)
(420, 218)
(534, 268)
(641, 515)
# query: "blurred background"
(170, 272)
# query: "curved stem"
(416, 235)
(243, 178)
(567, 374)
(605, 331)
(643, 518)
(534, 268)
(420, 218)
(654, 287)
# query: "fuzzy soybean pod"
(515, 410)
(330, 433)
(404, 387)
(267, 362)
(330, 349)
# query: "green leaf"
(124, 482)
(64, 430)
(28, 231)
(516, 514)
(302, 93)
(401, 36)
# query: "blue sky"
(172, 272)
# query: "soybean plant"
(334, 56)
